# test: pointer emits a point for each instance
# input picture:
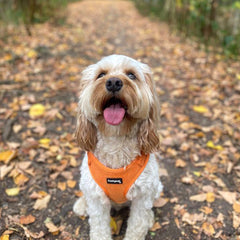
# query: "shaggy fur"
(117, 145)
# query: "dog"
(117, 126)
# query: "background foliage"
(214, 22)
(30, 11)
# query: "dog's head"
(118, 98)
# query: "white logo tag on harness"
(114, 180)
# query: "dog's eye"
(102, 74)
(131, 76)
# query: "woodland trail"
(200, 127)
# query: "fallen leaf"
(7, 156)
(236, 220)
(192, 219)
(4, 237)
(42, 203)
(199, 198)
(52, 228)
(230, 197)
(210, 144)
(208, 229)
(4, 170)
(27, 219)
(187, 179)
(12, 191)
(210, 197)
(20, 179)
(71, 183)
(62, 186)
(113, 225)
(206, 210)
(160, 202)
(44, 142)
(32, 54)
(236, 206)
(180, 163)
(155, 227)
(36, 110)
(200, 109)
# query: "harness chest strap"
(116, 182)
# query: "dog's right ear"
(86, 133)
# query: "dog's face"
(118, 95)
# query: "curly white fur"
(116, 150)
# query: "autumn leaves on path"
(39, 159)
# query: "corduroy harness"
(116, 182)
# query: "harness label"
(114, 181)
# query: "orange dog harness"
(116, 182)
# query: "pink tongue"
(114, 114)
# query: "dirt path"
(199, 94)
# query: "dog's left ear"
(148, 136)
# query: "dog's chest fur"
(116, 152)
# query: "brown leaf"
(160, 202)
(27, 219)
(155, 227)
(42, 203)
(208, 229)
(180, 163)
(230, 197)
(4, 170)
(199, 198)
(192, 219)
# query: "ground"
(200, 121)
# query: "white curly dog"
(117, 126)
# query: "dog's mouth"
(114, 111)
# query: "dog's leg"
(80, 207)
(99, 219)
(140, 220)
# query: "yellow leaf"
(208, 229)
(12, 191)
(236, 207)
(113, 225)
(44, 142)
(238, 76)
(207, 210)
(210, 144)
(71, 183)
(7, 156)
(210, 197)
(200, 109)
(20, 179)
(198, 174)
(36, 110)
(7, 57)
(4, 237)
(32, 54)
(62, 186)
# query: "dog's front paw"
(80, 207)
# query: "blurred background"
(214, 23)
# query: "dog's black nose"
(114, 84)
